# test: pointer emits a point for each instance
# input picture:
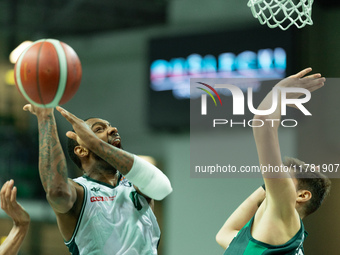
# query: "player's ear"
(81, 151)
(303, 196)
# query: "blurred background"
(117, 43)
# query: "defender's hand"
(11, 206)
(310, 82)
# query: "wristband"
(149, 179)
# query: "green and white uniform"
(114, 221)
(244, 244)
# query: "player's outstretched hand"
(38, 111)
(300, 80)
(82, 132)
(11, 206)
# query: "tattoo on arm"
(52, 162)
(118, 158)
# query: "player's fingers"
(321, 80)
(2, 195)
(2, 204)
(3, 188)
(66, 114)
(9, 189)
(14, 195)
(317, 86)
(60, 109)
(302, 73)
(314, 82)
(27, 107)
(313, 76)
(72, 135)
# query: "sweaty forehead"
(93, 121)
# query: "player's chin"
(117, 145)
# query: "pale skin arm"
(280, 191)
(279, 197)
(20, 218)
(240, 217)
(60, 192)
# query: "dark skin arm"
(52, 162)
(85, 136)
(63, 194)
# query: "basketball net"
(282, 13)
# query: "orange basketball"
(48, 73)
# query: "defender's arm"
(280, 189)
(240, 217)
(20, 217)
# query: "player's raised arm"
(149, 180)
(240, 217)
(20, 217)
(280, 189)
(60, 193)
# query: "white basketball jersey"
(114, 221)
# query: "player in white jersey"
(108, 210)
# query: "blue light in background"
(175, 74)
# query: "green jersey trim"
(73, 248)
(244, 243)
(254, 248)
(120, 177)
(134, 196)
(292, 240)
(99, 182)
